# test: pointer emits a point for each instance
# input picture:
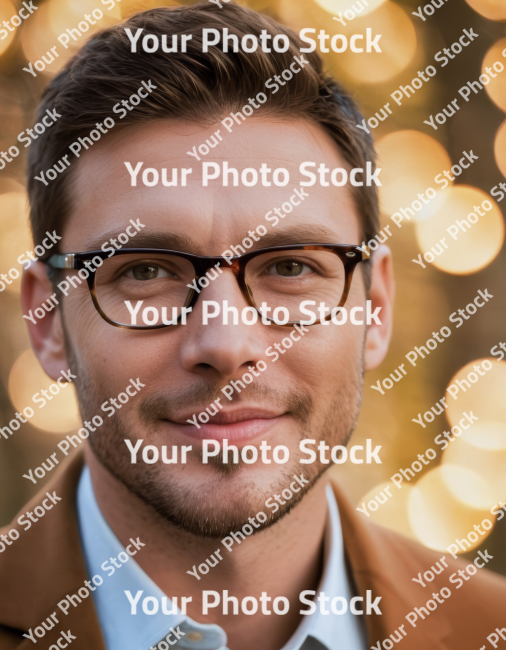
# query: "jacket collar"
(46, 563)
(384, 562)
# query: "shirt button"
(210, 637)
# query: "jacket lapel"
(384, 563)
(44, 565)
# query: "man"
(162, 541)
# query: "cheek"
(326, 358)
(108, 353)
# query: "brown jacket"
(46, 563)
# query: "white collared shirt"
(142, 631)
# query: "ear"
(46, 333)
(382, 295)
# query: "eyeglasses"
(147, 288)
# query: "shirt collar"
(334, 632)
(119, 627)
(141, 631)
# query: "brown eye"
(289, 268)
(144, 272)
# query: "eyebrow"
(300, 234)
(169, 241)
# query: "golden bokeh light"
(398, 45)
(11, 124)
(484, 395)
(58, 415)
(51, 21)
(489, 464)
(7, 10)
(16, 238)
(130, 7)
(362, 8)
(476, 244)
(404, 175)
(437, 516)
(468, 486)
(487, 435)
(393, 513)
(500, 148)
(496, 89)
(491, 9)
(298, 15)
(66, 14)
(38, 39)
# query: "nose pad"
(191, 296)
(249, 296)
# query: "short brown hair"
(192, 86)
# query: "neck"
(281, 561)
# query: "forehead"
(210, 218)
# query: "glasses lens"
(143, 289)
(285, 279)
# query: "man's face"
(311, 391)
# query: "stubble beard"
(201, 509)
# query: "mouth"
(237, 425)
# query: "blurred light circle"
(130, 7)
(468, 487)
(58, 415)
(7, 10)
(496, 89)
(13, 121)
(66, 14)
(258, 5)
(489, 464)
(485, 398)
(16, 238)
(52, 20)
(398, 46)
(492, 9)
(500, 148)
(335, 6)
(490, 436)
(473, 249)
(405, 174)
(437, 516)
(393, 513)
(38, 38)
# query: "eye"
(148, 271)
(288, 269)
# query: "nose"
(218, 349)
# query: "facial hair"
(199, 508)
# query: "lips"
(239, 424)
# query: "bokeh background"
(458, 488)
